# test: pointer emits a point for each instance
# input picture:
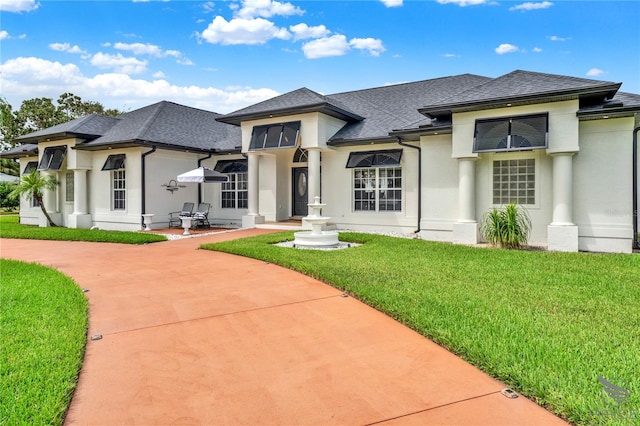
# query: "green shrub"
(7, 202)
(508, 227)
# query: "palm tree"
(33, 186)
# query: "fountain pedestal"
(316, 237)
(186, 224)
(147, 220)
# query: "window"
(234, 192)
(386, 158)
(31, 165)
(511, 133)
(52, 158)
(114, 162)
(377, 189)
(118, 189)
(514, 181)
(284, 135)
(69, 186)
(300, 156)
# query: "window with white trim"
(69, 186)
(118, 189)
(514, 181)
(234, 193)
(520, 133)
(377, 189)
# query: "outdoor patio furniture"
(174, 217)
(201, 216)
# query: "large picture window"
(514, 181)
(377, 189)
(283, 135)
(511, 133)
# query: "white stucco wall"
(212, 194)
(603, 185)
(29, 215)
(337, 192)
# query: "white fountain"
(316, 238)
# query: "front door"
(300, 187)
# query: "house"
(429, 157)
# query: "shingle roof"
(173, 126)
(396, 106)
(24, 150)
(521, 86)
(89, 126)
(295, 102)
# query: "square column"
(80, 218)
(252, 218)
(465, 230)
(562, 233)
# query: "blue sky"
(224, 55)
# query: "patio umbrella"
(202, 174)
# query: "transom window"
(386, 158)
(52, 158)
(300, 156)
(377, 189)
(114, 162)
(514, 181)
(31, 165)
(283, 135)
(511, 133)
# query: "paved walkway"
(203, 338)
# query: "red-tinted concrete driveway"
(193, 337)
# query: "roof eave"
(362, 141)
(603, 114)
(323, 107)
(414, 134)
(141, 143)
(54, 137)
(608, 91)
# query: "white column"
(50, 197)
(253, 183)
(465, 231)
(562, 233)
(313, 164)
(80, 192)
(562, 189)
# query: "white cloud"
(532, 6)
(209, 7)
(537, 49)
(118, 63)
(26, 78)
(303, 31)
(463, 3)
(327, 46)
(595, 72)
(242, 31)
(18, 6)
(556, 38)
(506, 48)
(139, 48)
(4, 35)
(451, 55)
(392, 3)
(266, 9)
(66, 47)
(159, 74)
(374, 46)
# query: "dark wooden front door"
(300, 183)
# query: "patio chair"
(201, 216)
(174, 217)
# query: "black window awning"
(52, 158)
(231, 166)
(361, 159)
(31, 166)
(511, 133)
(114, 162)
(271, 136)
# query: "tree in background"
(40, 113)
(32, 186)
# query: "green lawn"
(43, 326)
(548, 324)
(10, 228)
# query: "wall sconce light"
(172, 186)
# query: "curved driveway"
(193, 337)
